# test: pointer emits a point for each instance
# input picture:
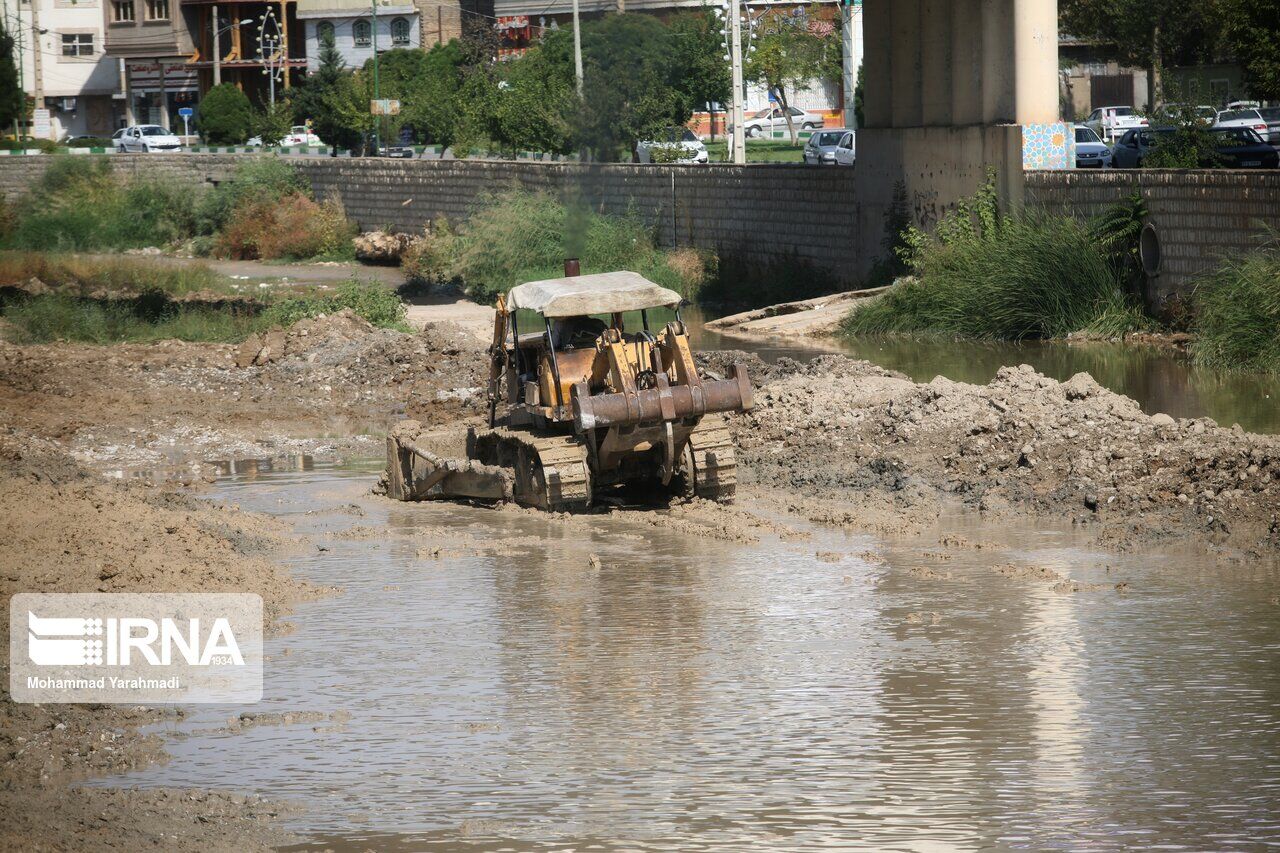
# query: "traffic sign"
(186, 112)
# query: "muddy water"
(1159, 381)
(695, 693)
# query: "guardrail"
(430, 151)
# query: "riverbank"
(68, 530)
(832, 440)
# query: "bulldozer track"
(715, 464)
(551, 471)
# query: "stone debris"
(381, 247)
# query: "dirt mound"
(66, 530)
(309, 333)
(836, 427)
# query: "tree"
(526, 104)
(792, 49)
(629, 90)
(701, 73)
(272, 123)
(1148, 33)
(226, 116)
(1252, 35)
(431, 98)
(311, 99)
(12, 98)
(346, 107)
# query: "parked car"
(1271, 115)
(820, 150)
(768, 120)
(1242, 105)
(145, 138)
(682, 144)
(1176, 113)
(1250, 118)
(1091, 152)
(1235, 147)
(298, 135)
(1244, 148)
(1111, 122)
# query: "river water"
(698, 693)
(1158, 380)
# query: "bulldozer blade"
(417, 474)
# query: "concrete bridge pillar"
(951, 88)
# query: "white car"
(1250, 118)
(768, 120)
(299, 135)
(1112, 122)
(1091, 152)
(145, 138)
(683, 145)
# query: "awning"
(599, 293)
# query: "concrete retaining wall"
(763, 212)
(1199, 216)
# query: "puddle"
(692, 693)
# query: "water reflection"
(1159, 381)
(700, 694)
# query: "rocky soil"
(330, 387)
(848, 432)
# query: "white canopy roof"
(599, 293)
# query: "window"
(399, 31)
(122, 11)
(324, 32)
(77, 44)
(157, 10)
(363, 33)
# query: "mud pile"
(66, 530)
(848, 430)
(335, 388)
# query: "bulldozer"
(589, 401)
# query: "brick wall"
(763, 212)
(756, 212)
(1199, 216)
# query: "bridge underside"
(953, 87)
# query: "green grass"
(45, 319)
(127, 275)
(1237, 313)
(79, 204)
(519, 237)
(153, 316)
(759, 151)
(372, 301)
(1023, 277)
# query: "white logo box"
(135, 648)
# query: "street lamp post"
(377, 91)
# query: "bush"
(521, 237)
(79, 204)
(45, 145)
(1238, 312)
(370, 300)
(262, 178)
(55, 317)
(91, 142)
(272, 124)
(992, 277)
(293, 227)
(127, 275)
(226, 116)
(428, 260)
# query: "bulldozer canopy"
(598, 293)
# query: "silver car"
(820, 150)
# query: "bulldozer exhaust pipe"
(664, 403)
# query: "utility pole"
(37, 59)
(739, 142)
(377, 92)
(577, 48)
(217, 48)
